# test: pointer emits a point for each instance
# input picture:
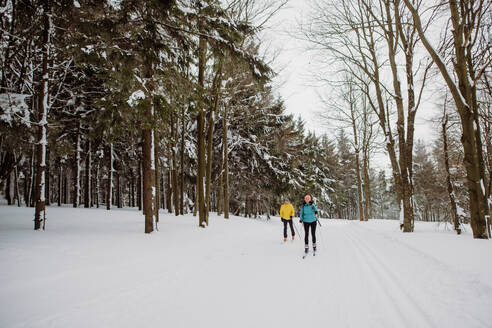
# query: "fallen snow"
(96, 268)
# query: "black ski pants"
(307, 226)
(291, 227)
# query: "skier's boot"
(314, 249)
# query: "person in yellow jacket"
(286, 214)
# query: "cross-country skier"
(308, 218)
(286, 213)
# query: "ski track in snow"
(92, 268)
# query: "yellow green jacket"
(286, 211)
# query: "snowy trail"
(93, 268)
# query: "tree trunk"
(88, 178)
(27, 180)
(132, 188)
(97, 184)
(353, 121)
(169, 179)
(139, 185)
(182, 182)
(220, 197)
(367, 187)
(48, 179)
(8, 186)
(174, 172)
(202, 215)
(157, 178)
(109, 186)
(452, 200)
(118, 190)
(32, 182)
(405, 185)
(66, 193)
(76, 181)
(43, 122)
(17, 192)
(225, 156)
(210, 134)
(149, 191)
(195, 203)
(60, 182)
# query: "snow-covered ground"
(96, 268)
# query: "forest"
(170, 104)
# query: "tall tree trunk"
(129, 190)
(210, 134)
(32, 175)
(139, 185)
(225, 156)
(109, 186)
(174, 172)
(60, 182)
(405, 185)
(76, 181)
(360, 200)
(88, 177)
(195, 203)
(66, 194)
(8, 187)
(182, 162)
(202, 209)
(367, 187)
(132, 188)
(27, 181)
(148, 154)
(452, 200)
(157, 178)
(118, 190)
(169, 179)
(220, 196)
(163, 191)
(149, 192)
(98, 192)
(17, 191)
(43, 122)
(48, 179)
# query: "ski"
(306, 254)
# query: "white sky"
(296, 86)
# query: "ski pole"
(297, 231)
(321, 235)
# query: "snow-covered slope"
(96, 268)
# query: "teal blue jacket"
(308, 213)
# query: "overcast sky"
(295, 84)
(293, 64)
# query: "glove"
(300, 221)
(316, 212)
(291, 217)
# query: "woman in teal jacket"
(308, 218)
